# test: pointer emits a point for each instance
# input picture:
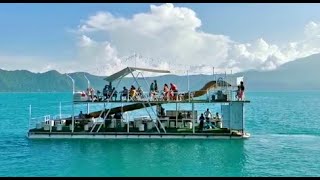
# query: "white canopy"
(128, 70)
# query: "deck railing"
(160, 96)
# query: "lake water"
(284, 128)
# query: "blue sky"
(43, 29)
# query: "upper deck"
(160, 101)
(215, 91)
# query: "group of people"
(207, 121)
(109, 92)
(92, 95)
(169, 93)
(133, 93)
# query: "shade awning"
(128, 70)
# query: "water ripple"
(285, 142)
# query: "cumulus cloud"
(169, 37)
(166, 33)
(173, 36)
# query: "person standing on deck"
(174, 90)
(166, 92)
(91, 93)
(151, 94)
(238, 93)
(241, 94)
(110, 90)
(201, 122)
(155, 86)
(160, 111)
(207, 115)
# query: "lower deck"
(132, 135)
(122, 133)
(171, 124)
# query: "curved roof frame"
(124, 72)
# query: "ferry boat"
(110, 123)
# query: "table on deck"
(168, 121)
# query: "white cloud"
(312, 29)
(173, 33)
(31, 63)
(168, 37)
(85, 41)
(166, 32)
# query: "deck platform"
(131, 135)
(116, 133)
(160, 102)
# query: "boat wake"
(290, 135)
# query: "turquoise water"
(285, 142)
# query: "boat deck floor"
(160, 101)
(135, 132)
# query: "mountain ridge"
(300, 74)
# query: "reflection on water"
(144, 157)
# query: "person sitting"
(91, 93)
(217, 118)
(98, 97)
(158, 110)
(88, 93)
(107, 121)
(124, 93)
(162, 111)
(140, 93)
(189, 115)
(133, 92)
(114, 94)
(105, 91)
(166, 92)
(174, 90)
(118, 116)
(81, 115)
(201, 118)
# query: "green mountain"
(301, 74)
